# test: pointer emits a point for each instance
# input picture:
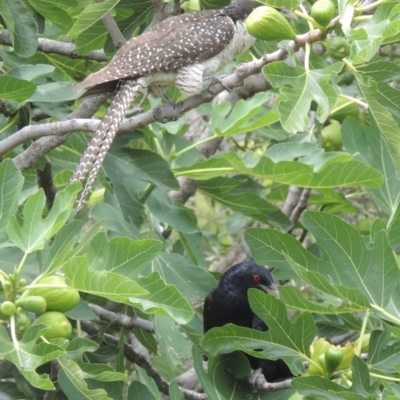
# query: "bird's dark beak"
(271, 290)
(289, 14)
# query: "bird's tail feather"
(102, 139)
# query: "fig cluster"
(326, 359)
(49, 298)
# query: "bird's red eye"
(256, 278)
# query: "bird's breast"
(240, 42)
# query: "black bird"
(228, 303)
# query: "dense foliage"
(305, 181)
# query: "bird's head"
(249, 275)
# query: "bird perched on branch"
(228, 303)
(182, 49)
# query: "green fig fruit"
(59, 325)
(267, 23)
(332, 136)
(338, 47)
(8, 308)
(323, 11)
(35, 304)
(58, 298)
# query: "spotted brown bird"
(228, 303)
(182, 49)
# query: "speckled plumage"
(182, 49)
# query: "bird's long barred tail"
(98, 147)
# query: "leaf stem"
(370, 6)
(305, 16)
(79, 328)
(192, 146)
(385, 377)
(307, 46)
(21, 264)
(361, 18)
(389, 316)
(14, 121)
(344, 105)
(14, 337)
(362, 333)
(147, 192)
(349, 66)
(43, 285)
(196, 171)
(359, 102)
(3, 275)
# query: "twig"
(121, 319)
(301, 205)
(177, 7)
(258, 381)
(113, 29)
(340, 339)
(292, 200)
(56, 47)
(44, 145)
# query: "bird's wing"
(175, 42)
(209, 316)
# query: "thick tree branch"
(44, 145)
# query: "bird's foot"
(257, 379)
(218, 78)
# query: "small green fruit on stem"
(57, 298)
(338, 47)
(333, 358)
(22, 323)
(267, 23)
(8, 308)
(59, 325)
(323, 11)
(35, 304)
(332, 138)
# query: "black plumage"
(228, 303)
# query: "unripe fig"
(338, 47)
(349, 375)
(8, 308)
(35, 304)
(22, 282)
(346, 79)
(323, 11)
(364, 225)
(59, 325)
(22, 323)
(333, 358)
(7, 286)
(332, 136)
(267, 23)
(58, 298)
